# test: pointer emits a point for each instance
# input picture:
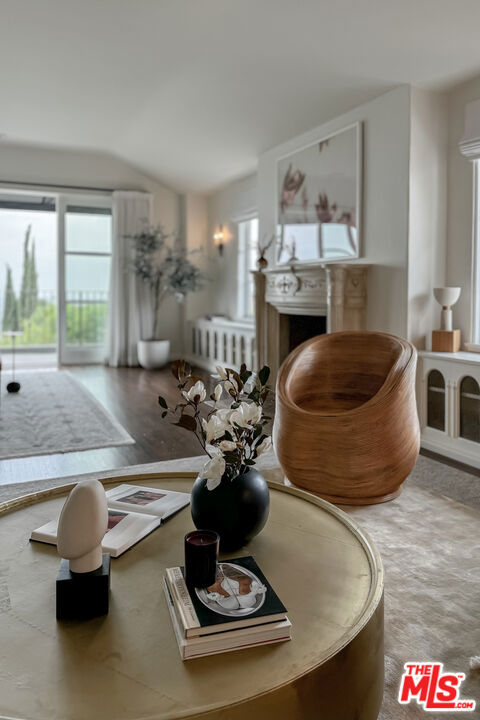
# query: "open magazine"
(133, 512)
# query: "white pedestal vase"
(153, 354)
(446, 297)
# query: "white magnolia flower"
(227, 445)
(213, 471)
(214, 428)
(213, 450)
(197, 392)
(221, 372)
(264, 446)
(246, 415)
(251, 383)
(224, 415)
(217, 393)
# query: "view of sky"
(86, 233)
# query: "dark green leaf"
(264, 374)
(162, 402)
(245, 375)
(187, 422)
(164, 414)
(230, 457)
(258, 430)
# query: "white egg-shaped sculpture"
(82, 525)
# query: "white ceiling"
(192, 91)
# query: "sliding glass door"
(55, 254)
(28, 278)
(84, 258)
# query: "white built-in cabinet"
(449, 404)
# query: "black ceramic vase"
(237, 509)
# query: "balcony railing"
(85, 315)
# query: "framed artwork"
(318, 199)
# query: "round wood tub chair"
(346, 425)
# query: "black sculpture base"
(82, 596)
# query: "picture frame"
(318, 199)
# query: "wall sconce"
(219, 239)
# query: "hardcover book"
(133, 513)
(227, 641)
(240, 597)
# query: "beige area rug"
(54, 413)
(430, 546)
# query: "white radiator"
(221, 342)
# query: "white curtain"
(130, 311)
(470, 143)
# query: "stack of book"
(240, 610)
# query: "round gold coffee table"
(126, 666)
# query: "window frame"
(244, 282)
(474, 342)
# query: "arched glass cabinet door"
(436, 400)
(470, 409)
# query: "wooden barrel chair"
(346, 425)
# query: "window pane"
(88, 232)
(87, 279)
(86, 276)
(86, 323)
(28, 272)
(247, 260)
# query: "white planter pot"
(153, 353)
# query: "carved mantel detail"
(336, 291)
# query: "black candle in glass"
(201, 555)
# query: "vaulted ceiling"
(191, 91)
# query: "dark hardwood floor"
(131, 396)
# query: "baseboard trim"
(463, 457)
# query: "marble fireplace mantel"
(335, 291)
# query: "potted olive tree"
(161, 261)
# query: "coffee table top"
(126, 665)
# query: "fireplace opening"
(304, 327)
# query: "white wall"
(427, 212)
(386, 131)
(226, 207)
(29, 164)
(195, 231)
(460, 206)
(404, 210)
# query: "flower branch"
(233, 437)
